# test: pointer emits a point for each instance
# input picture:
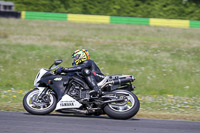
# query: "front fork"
(42, 92)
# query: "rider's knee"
(86, 72)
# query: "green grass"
(163, 60)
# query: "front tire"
(124, 110)
(37, 107)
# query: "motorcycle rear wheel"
(38, 107)
(124, 110)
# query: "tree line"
(169, 9)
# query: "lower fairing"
(67, 102)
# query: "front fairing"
(58, 83)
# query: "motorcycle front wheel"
(35, 106)
(123, 110)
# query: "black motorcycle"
(69, 93)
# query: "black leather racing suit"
(90, 71)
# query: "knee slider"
(86, 72)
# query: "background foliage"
(163, 60)
(170, 9)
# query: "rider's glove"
(59, 70)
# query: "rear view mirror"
(57, 62)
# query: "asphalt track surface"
(19, 122)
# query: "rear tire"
(128, 112)
(45, 108)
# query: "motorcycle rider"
(87, 67)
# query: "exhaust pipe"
(123, 80)
(119, 81)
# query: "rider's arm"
(85, 64)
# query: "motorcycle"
(69, 93)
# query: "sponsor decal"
(58, 79)
(67, 103)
